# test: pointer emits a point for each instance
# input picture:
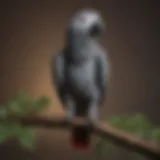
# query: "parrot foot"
(69, 119)
(70, 109)
(93, 116)
(92, 122)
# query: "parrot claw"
(92, 120)
(92, 116)
(69, 119)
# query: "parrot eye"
(95, 30)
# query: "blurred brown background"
(31, 31)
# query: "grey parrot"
(80, 72)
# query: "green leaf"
(24, 134)
(155, 134)
(40, 103)
(138, 156)
(8, 130)
(20, 105)
(14, 129)
(3, 112)
(27, 138)
(23, 104)
(15, 108)
(4, 134)
(115, 121)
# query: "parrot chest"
(80, 78)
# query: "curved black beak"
(96, 29)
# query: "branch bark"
(102, 129)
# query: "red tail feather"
(80, 138)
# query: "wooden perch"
(101, 129)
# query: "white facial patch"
(84, 19)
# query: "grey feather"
(102, 73)
(58, 73)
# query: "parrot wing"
(58, 73)
(102, 72)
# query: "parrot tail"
(80, 138)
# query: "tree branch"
(101, 129)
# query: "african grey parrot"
(80, 72)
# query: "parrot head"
(87, 22)
(85, 26)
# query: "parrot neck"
(78, 47)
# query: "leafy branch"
(137, 125)
(21, 105)
(15, 122)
